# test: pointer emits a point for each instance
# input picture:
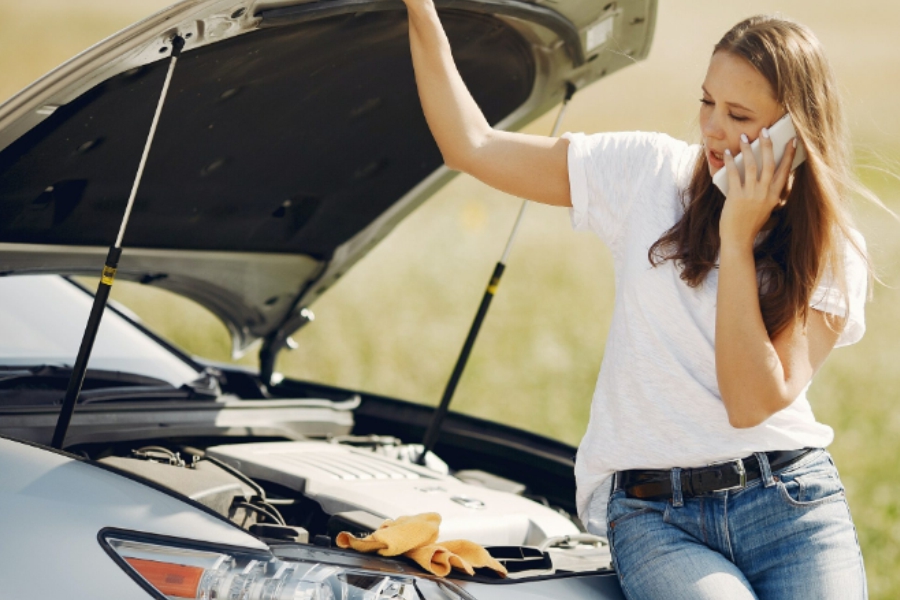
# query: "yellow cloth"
(415, 536)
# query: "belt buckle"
(742, 474)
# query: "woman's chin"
(714, 163)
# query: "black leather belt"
(650, 484)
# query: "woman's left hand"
(749, 204)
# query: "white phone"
(781, 133)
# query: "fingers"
(784, 167)
(768, 156)
(751, 171)
(767, 180)
(734, 177)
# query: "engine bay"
(309, 491)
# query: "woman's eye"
(706, 102)
(737, 118)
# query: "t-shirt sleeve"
(830, 298)
(608, 172)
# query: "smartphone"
(781, 133)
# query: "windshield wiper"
(15, 374)
(45, 384)
(139, 392)
(48, 375)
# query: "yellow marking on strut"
(109, 273)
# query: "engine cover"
(343, 478)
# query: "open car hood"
(291, 141)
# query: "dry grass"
(395, 323)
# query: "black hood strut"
(434, 427)
(109, 272)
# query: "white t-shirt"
(657, 403)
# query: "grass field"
(395, 323)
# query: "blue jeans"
(787, 535)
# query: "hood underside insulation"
(288, 139)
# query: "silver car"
(288, 142)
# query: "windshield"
(42, 320)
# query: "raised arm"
(759, 376)
(529, 166)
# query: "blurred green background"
(395, 323)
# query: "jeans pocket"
(812, 484)
(622, 508)
(634, 513)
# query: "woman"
(702, 462)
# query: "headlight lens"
(175, 570)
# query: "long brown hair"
(806, 236)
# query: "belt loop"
(677, 499)
(765, 470)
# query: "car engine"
(309, 491)
(344, 479)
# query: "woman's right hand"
(527, 166)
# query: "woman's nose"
(711, 127)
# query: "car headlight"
(178, 569)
